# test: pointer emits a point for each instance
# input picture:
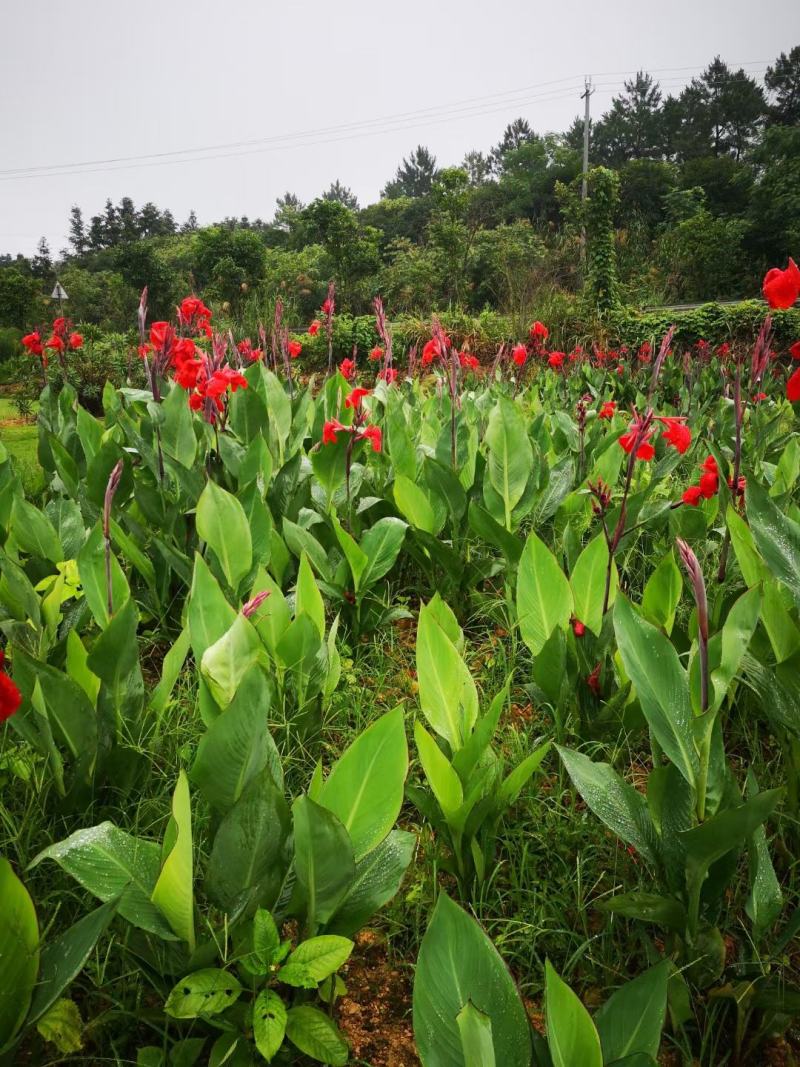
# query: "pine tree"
(341, 194)
(77, 232)
(414, 176)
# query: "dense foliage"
(201, 813)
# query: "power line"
(472, 113)
(467, 108)
(399, 116)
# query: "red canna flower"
(56, 342)
(161, 334)
(794, 351)
(620, 369)
(295, 348)
(389, 375)
(519, 354)
(33, 343)
(645, 450)
(429, 352)
(793, 387)
(608, 410)
(578, 628)
(677, 433)
(327, 306)
(759, 397)
(186, 375)
(468, 362)
(59, 326)
(373, 435)
(329, 431)
(347, 368)
(782, 287)
(555, 359)
(144, 349)
(593, 681)
(196, 401)
(376, 354)
(75, 341)
(193, 307)
(709, 479)
(692, 495)
(539, 331)
(356, 396)
(315, 327)
(10, 696)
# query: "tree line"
(706, 194)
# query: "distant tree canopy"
(706, 196)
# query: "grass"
(20, 437)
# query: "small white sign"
(59, 293)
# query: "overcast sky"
(329, 90)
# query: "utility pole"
(585, 96)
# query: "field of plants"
(407, 708)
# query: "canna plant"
(469, 790)
(36, 973)
(328, 862)
(693, 822)
(468, 1012)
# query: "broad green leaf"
(765, 899)
(19, 952)
(457, 965)
(209, 614)
(727, 830)
(222, 524)
(777, 537)
(510, 456)
(308, 599)
(269, 1023)
(112, 864)
(237, 746)
(661, 683)
(227, 661)
(34, 533)
(171, 667)
(249, 856)
(177, 430)
(544, 596)
(377, 880)
(302, 541)
(571, 1034)
(316, 1035)
(447, 693)
(614, 802)
(173, 893)
(64, 957)
(323, 859)
(662, 592)
(632, 1018)
(355, 556)
(735, 636)
(588, 583)
(443, 780)
(750, 563)
(273, 617)
(417, 505)
(204, 993)
(381, 545)
(475, 1029)
(365, 787)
